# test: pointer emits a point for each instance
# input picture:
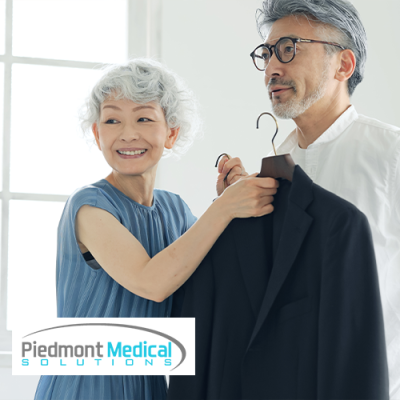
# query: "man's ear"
(95, 131)
(347, 65)
(172, 136)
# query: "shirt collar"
(336, 129)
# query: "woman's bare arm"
(123, 257)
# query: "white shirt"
(358, 159)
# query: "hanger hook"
(277, 128)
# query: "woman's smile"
(131, 153)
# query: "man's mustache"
(275, 81)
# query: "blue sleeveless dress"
(85, 290)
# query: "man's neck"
(316, 120)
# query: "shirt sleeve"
(394, 186)
(392, 282)
(92, 196)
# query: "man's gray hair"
(143, 80)
(339, 14)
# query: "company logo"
(106, 348)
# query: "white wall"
(378, 95)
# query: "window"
(51, 53)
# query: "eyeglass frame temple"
(318, 41)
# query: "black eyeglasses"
(285, 50)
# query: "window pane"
(1, 122)
(48, 153)
(32, 259)
(84, 30)
(2, 26)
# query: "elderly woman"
(123, 246)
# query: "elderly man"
(313, 57)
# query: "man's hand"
(229, 172)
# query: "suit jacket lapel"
(296, 223)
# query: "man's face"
(300, 85)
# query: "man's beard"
(293, 108)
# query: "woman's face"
(132, 136)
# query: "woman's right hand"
(248, 197)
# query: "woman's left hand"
(234, 168)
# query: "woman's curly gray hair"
(143, 80)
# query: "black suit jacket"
(287, 306)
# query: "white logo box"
(105, 346)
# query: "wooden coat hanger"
(281, 166)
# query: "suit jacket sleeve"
(352, 360)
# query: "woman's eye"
(111, 121)
(144, 120)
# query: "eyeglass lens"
(284, 50)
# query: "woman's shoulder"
(88, 192)
(85, 191)
(95, 194)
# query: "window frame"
(148, 29)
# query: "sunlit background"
(51, 53)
